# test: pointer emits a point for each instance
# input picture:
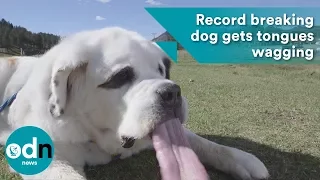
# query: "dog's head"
(116, 79)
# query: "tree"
(20, 37)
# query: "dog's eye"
(167, 65)
(119, 78)
(160, 70)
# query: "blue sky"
(64, 17)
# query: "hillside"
(12, 38)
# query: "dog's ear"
(63, 72)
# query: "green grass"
(270, 111)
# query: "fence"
(11, 51)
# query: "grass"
(271, 111)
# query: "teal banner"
(243, 35)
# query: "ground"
(270, 111)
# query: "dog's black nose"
(127, 142)
(170, 93)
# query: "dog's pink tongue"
(176, 159)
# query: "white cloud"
(153, 2)
(100, 18)
(104, 1)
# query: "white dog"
(105, 92)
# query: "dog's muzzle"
(170, 101)
(170, 95)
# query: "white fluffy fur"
(93, 119)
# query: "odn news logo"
(29, 150)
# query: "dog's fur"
(68, 93)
